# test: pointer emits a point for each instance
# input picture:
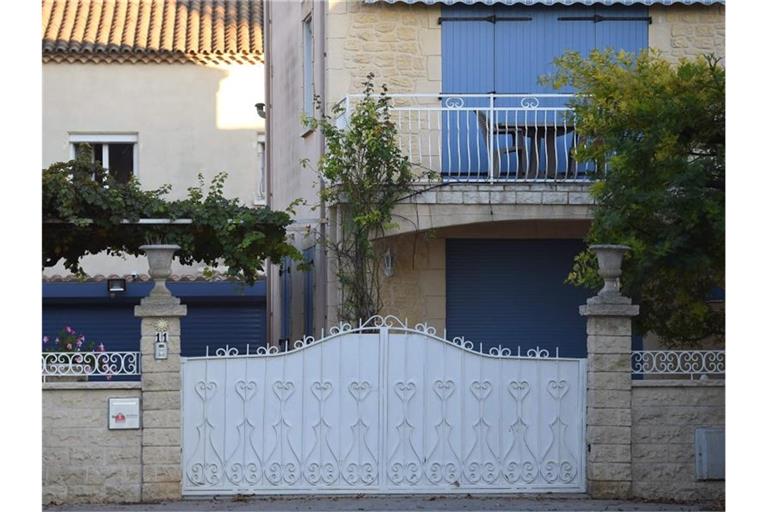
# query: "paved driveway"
(394, 503)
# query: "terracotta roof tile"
(152, 31)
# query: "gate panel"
(382, 408)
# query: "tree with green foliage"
(87, 211)
(365, 174)
(659, 130)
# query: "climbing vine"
(87, 211)
(365, 174)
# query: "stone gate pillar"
(160, 314)
(609, 381)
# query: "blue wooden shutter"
(630, 35)
(309, 290)
(285, 292)
(467, 68)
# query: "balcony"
(496, 138)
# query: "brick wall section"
(687, 30)
(665, 415)
(83, 461)
(399, 43)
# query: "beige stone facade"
(399, 43)
(665, 415)
(83, 461)
(680, 31)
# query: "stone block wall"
(416, 291)
(687, 30)
(665, 415)
(399, 43)
(83, 461)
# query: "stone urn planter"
(609, 259)
(160, 257)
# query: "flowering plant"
(87, 351)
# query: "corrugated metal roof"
(549, 2)
(152, 31)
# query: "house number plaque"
(161, 340)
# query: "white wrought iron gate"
(382, 408)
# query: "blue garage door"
(511, 293)
(219, 325)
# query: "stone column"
(609, 386)
(160, 312)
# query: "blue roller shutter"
(218, 314)
(113, 325)
(218, 325)
(511, 293)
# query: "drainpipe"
(268, 151)
(323, 281)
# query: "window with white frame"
(118, 153)
(308, 58)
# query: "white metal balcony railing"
(488, 137)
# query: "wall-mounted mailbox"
(123, 413)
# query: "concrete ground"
(465, 503)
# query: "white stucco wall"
(189, 119)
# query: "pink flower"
(79, 343)
(101, 347)
(69, 330)
(45, 339)
(69, 346)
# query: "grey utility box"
(710, 453)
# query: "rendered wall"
(83, 461)
(189, 119)
(399, 43)
(665, 415)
